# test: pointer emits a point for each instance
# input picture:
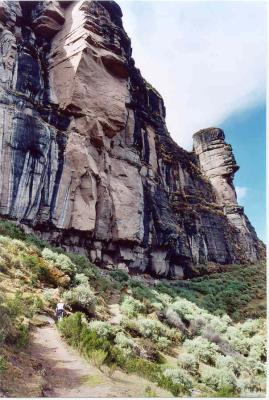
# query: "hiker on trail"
(59, 310)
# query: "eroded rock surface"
(86, 159)
(217, 162)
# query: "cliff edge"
(86, 159)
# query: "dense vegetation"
(192, 337)
(238, 291)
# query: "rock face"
(218, 164)
(86, 159)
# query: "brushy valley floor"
(200, 337)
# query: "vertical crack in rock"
(86, 159)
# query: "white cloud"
(241, 192)
(207, 59)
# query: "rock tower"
(86, 160)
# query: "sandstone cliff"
(86, 158)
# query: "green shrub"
(35, 264)
(225, 392)
(238, 340)
(189, 363)
(150, 328)
(34, 240)
(115, 354)
(125, 343)
(31, 262)
(225, 292)
(111, 370)
(163, 343)
(251, 327)
(141, 292)
(258, 347)
(65, 264)
(33, 279)
(61, 261)
(228, 363)
(148, 350)
(102, 329)
(250, 386)
(49, 295)
(98, 357)
(16, 246)
(173, 319)
(15, 306)
(79, 335)
(71, 328)
(202, 349)
(82, 296)
(5, 242)
(10, 229)
(6, 322)
(219, 380)
(22, 337)
(196, 327)
(254, 366)
(3, 265)
(32, 305)
(119, 275)
(49, 255)
(162, 287)
(218, 324)
(81, 279)
(91, 341)
(103, 284)
(3, 364)
(7, 259)
(186, 310)
(164, 298)
(177, 381)
(143, 368)
(84, 266)
(3, 335)
(131, 307)
(156, 305)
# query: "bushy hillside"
(183, 335)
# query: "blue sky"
(245, 130)
(208, 60)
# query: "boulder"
(58, 277)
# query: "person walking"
(59, 311)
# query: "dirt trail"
(114, 308)
(67, 374)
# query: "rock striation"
(86, 160)
(217, 162)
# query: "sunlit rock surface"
(86, 159)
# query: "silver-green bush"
(189, 363)
(218, 379)
(131, 307)
(202, 349)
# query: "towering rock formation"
(218, 164)
(85, 156)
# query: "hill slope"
(158, 334)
